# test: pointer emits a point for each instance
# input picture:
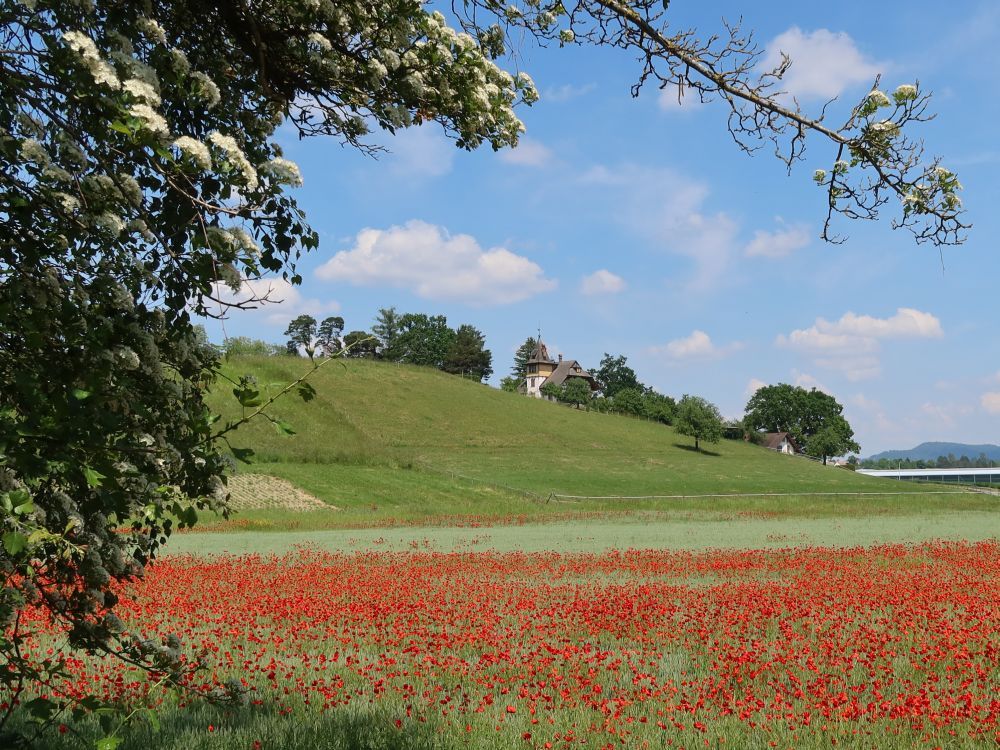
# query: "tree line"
(408, 338)
(982, 461)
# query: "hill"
(409, 442)
(930, 451)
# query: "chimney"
(560, 358)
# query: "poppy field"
(890, 646)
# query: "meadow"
(450, 595)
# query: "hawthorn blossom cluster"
(922, 191)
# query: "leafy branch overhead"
(875, 163)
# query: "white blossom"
(566, 36)
(244, 240)
(840, 166)
(110, 223)
(84, 46)
(885, 128)
(142, 91)
(70, 204)
(151, 119)
(878, 98)
(905, 93)
(33, 151)
(138, 225)
(195, 150)
(219, 238)
(206, 89)
(152, 30)
(819, 175)
(320, 42)
(235, 156)
(179, 62)
(52, 173)
(284, 171)
(129, 188)
(126, 358)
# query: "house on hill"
(542, 369)
(782, 442)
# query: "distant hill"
(930, 451)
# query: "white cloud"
(824, 63)
(851, 343)
(943, 414)
(805, 380)
(698, 345)
(566, 92)
(529, 153)
(602, 282)
(990, 401)
(434, 264)
(274, 301)
(778, 244)
(421, 151)
(668, 210)
(906, 323)
(753, 385)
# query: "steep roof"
(773, 440)
(570, 368)
(540, 355)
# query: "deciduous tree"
(699, 419)
(615, 375)
(139, 176)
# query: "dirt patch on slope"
(250, 491)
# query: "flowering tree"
(138, 173)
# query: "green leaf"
(25, 507)
(120, 127)
(79, 394)
(14, 542)
(243, 454)
(283, 428)
(93, 476)
(306, 392)
(108, 743)
(41, 709)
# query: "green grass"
(383, 440)
(680, 530)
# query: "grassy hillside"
(409, 442)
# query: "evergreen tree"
(386, 329)
(328, 335)
(521, 357)
(467, 355)
(301, 334)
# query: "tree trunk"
(696, 443)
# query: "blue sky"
(636, 227)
